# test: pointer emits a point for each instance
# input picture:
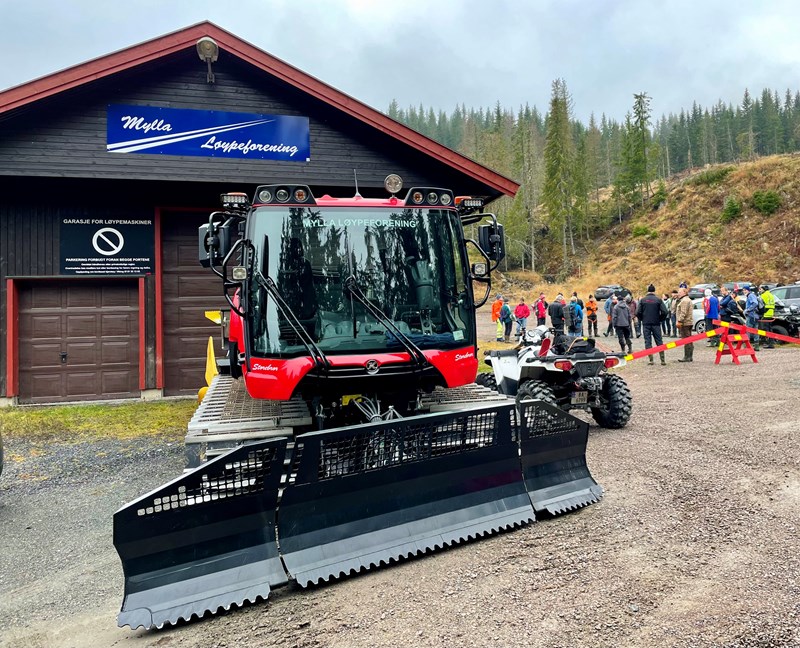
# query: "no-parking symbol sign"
(107, 246)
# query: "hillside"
(686, 237)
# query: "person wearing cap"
(711, 310)
(769, 314)
(751, 314)
(652, 311)
(683, 312)
(541, 310)
(556, 313)
(497, 304)
(507, 318)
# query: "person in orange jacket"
(591, 316)
(496, 306)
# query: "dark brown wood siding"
(189, 290)
(66, 135)
(30, 247)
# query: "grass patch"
(490, 346)
(88, 422)
(643, 230)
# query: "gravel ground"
(695, 543)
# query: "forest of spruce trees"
(576, 178)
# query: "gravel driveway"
(694, 544)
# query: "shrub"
(660, 195)
(710, 177)
(767, 202)
(643, 230)
(732, 209)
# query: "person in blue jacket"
(751, 315)
(576, 318)
(608, 307)
(711, 309)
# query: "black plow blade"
(203, 541)
(553, 454)
(374, 493)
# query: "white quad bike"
(570, 373)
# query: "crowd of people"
(651, 316)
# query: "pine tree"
(557, 194)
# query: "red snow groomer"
(360, 312)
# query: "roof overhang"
(104, 66)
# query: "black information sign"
(107, 246)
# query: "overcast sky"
(446, 52)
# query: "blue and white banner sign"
(207, 133)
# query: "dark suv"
(695, 292)
(604, 292)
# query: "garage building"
(108, 168)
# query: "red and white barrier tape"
(761, 332)
(673, 345)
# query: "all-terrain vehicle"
(568, 372)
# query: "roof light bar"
(234, 200)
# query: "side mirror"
(214, 243)
(491, 239)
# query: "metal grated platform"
(228, 417)
(228, 409)
(460, 398)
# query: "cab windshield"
(408, 263)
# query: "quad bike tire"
(487, 380)
(620, 404)
(778, 330)
(536, 390)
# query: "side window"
(792, 293)
(779, 293)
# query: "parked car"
(736, 287)
(604, 292)
(699, 290)
(789, 295)
(698, 316)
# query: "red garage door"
(78, 340)
(189, 290)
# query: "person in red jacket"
(522, 312)
(541, 310)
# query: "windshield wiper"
(414, 351)
(320, 359)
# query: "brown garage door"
(189, 290)
(78, 340)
